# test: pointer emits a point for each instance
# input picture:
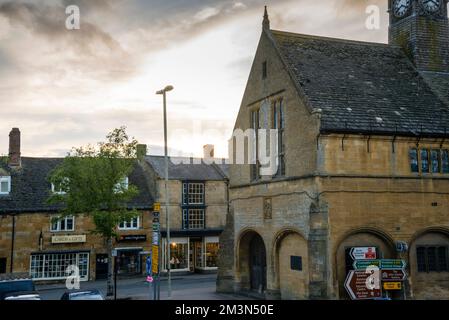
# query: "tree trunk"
(110, 283)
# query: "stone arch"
(292, 284)
(428, 273)
(360, 237)
(251, 261)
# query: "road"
(188, 287)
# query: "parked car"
(17, 287)
(82, 295)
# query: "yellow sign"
(69, 239)
(392, 285)
(155, 259)
(156, 206)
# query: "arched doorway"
(292, 265)
(252, 262)
(257, 264)
(429, 264)
(384, 249)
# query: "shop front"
(57, 265)
(192, 253)
(129, 261)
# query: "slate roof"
(188, 168)
(361, 87)
(30, 187)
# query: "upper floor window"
(264, 70)
(279, 124)
(432, 258)
(132, 224)
(5, 185)
(255, 125)
(429, 160)
(193, 219)
(64, 224)
(122, 185)
(193, 193)
(413, 153)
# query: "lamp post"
(167, 214)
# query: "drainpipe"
(13, 236)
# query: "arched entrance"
(252, 262)
(292, 265)
(384, 249)
(258, 264)
(429, 264)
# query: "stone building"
(362, 160)
(197, 191)
(31, 242)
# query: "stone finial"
(266, 20)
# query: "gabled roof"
(362, 87)
(188, 168)
(30, 187)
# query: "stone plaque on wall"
(267, 208)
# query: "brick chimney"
(208, 151)
(14, 148)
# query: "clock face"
(401, 7)
(430, 6)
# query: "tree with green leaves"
(91, 182)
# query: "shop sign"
(157, 206)
(68, 239)
(133, 237)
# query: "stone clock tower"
(421, 28)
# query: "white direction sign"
(363, 253)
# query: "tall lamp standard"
(167, 214)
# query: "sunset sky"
(66, 88)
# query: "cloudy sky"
(66, 88)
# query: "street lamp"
(167, 214)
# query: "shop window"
(424, 160)
(128, 261)
(132, 224)
(413, 154)
(64, 224)
(2, 265)
(432, 259)
(5, 185)
(212, 254)
(54, 266)
(179, 255)
(445, 161)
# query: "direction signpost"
(393, 275)
(391, 272)
(356, 285)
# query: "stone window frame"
(422, 252)
(6, 179)
(253, 120)
(279, 124)
(443, 165)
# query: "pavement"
(186, 287)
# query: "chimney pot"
(14, 159)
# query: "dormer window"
(122, 185)
(5, 185)
(60, 187)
